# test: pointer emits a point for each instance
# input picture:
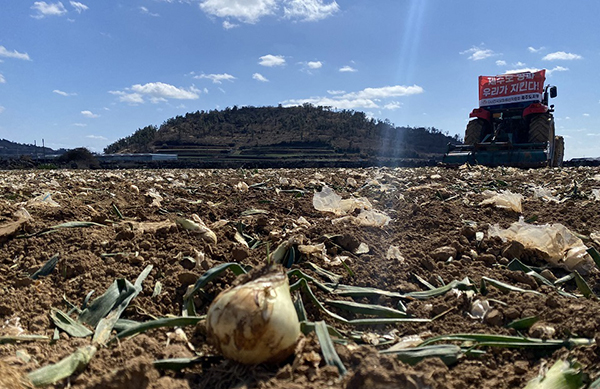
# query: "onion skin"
(255, 322)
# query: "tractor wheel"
(474, 131)
(541, 128)
(559, 151)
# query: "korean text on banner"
(511, 88)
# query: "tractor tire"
(474, 131)
(559, 151)
(541, 128)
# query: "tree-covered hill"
(252, 129)
(9, 149)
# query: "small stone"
(125, 235)
(239, 254)
(262, 221)
(468, 232)
(494, 318)
(206, 264)
(188, 263)
(136, 259)
(512, 313)
(6, 310)
(524, 278)
(187, 278)
(513, 250)
(444, 253)
(145, 245)
(552, 302)
(503, 261)
(521, 367)
(547, 274)
(488, 259)
(542, 330)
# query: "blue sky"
(88, 73)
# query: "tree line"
(235, 127)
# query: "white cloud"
(79, 124)
(522, 70)
(586, 115)
(251, 11)
(534, 50)
(347, 69)
(2, 79)
(314, 64)
(336, 92)
(228, 25)
(2, 109)
(130, 98)
(557, 69)
(145, 11)
(478, 53)
(385, 92)
(89, 114)
(247, 11)
(367, 98)
(59, 92)
(336, 103)
(96, 137)
(394, 105)
(216, 78)
(272, 60)
(13, 54)
(259, 77)
(561, 56)
(500, 62)
(309, 10)
(519, 64)
(44, 9)
(155, 91)
(156, 100)
(79, 7)
(533, 70)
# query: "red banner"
(511, 88)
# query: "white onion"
(255, 322)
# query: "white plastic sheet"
(559, 245)
(328, 201)
(504, 199)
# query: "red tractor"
(513, 126)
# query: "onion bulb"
(256, 321)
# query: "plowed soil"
(435, 220)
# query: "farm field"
(410, 258)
